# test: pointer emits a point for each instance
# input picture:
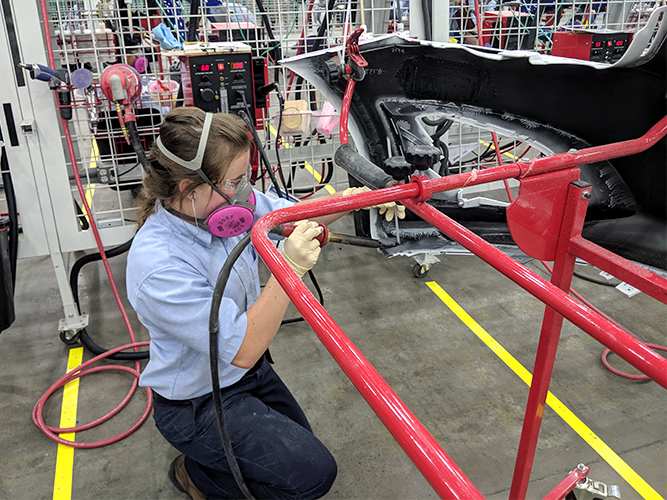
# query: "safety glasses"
(238, 183)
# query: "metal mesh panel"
(93, 35)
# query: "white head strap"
(195, 163)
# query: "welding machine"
(218, 77)
(591, 45)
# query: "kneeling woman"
(200, 163)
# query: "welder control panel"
(598, 46)
(221, 82)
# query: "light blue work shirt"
(172, 268)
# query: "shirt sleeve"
(175, 302)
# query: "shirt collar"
(184, 229)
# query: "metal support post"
(571, 225)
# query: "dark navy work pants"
(274, 445)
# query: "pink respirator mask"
(233, 217)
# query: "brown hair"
(180, 133)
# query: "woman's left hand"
(387, 209)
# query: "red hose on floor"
(37, 416)
(37, 412)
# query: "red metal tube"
(345, 110)
(568, 484)
(631, 349)
(642, 279)
(438, 468)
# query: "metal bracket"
(595, 490)
(73, 323)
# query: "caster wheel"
(68, 337)
(420, 271)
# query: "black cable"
(192, 26)
(128, 170)
(593, 280)
(275, 49)
(213, 325)
(135, 141)
(318, 40)
(87, 342)
(83, 220)
(311, 275)
(262, 152)
(10, 195)
(281, 109)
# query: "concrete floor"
(461, 391)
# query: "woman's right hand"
(301, 249)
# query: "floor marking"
(308, 166)
(94, 155)
(62, 485)
(607, 454)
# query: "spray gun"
(82, 79)
(58, 80)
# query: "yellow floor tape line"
(308, 166)
(594, 441)
(90, 191)
(62, 485)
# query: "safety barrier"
(555, 237)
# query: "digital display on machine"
(620, 43)
(204, 67)
(597, 45)
(237, 65)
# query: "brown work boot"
(182, 481)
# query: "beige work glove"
(301, 249)
(388, 209)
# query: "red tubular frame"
(441, 472)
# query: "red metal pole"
(571, 226)
(438, 468)
(345, 110)
(568, 484)
(643, 279)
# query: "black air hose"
(362, 169)
(74, 286)
(213, 325)
(135, 141)
(262, 153)
(193, 22)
